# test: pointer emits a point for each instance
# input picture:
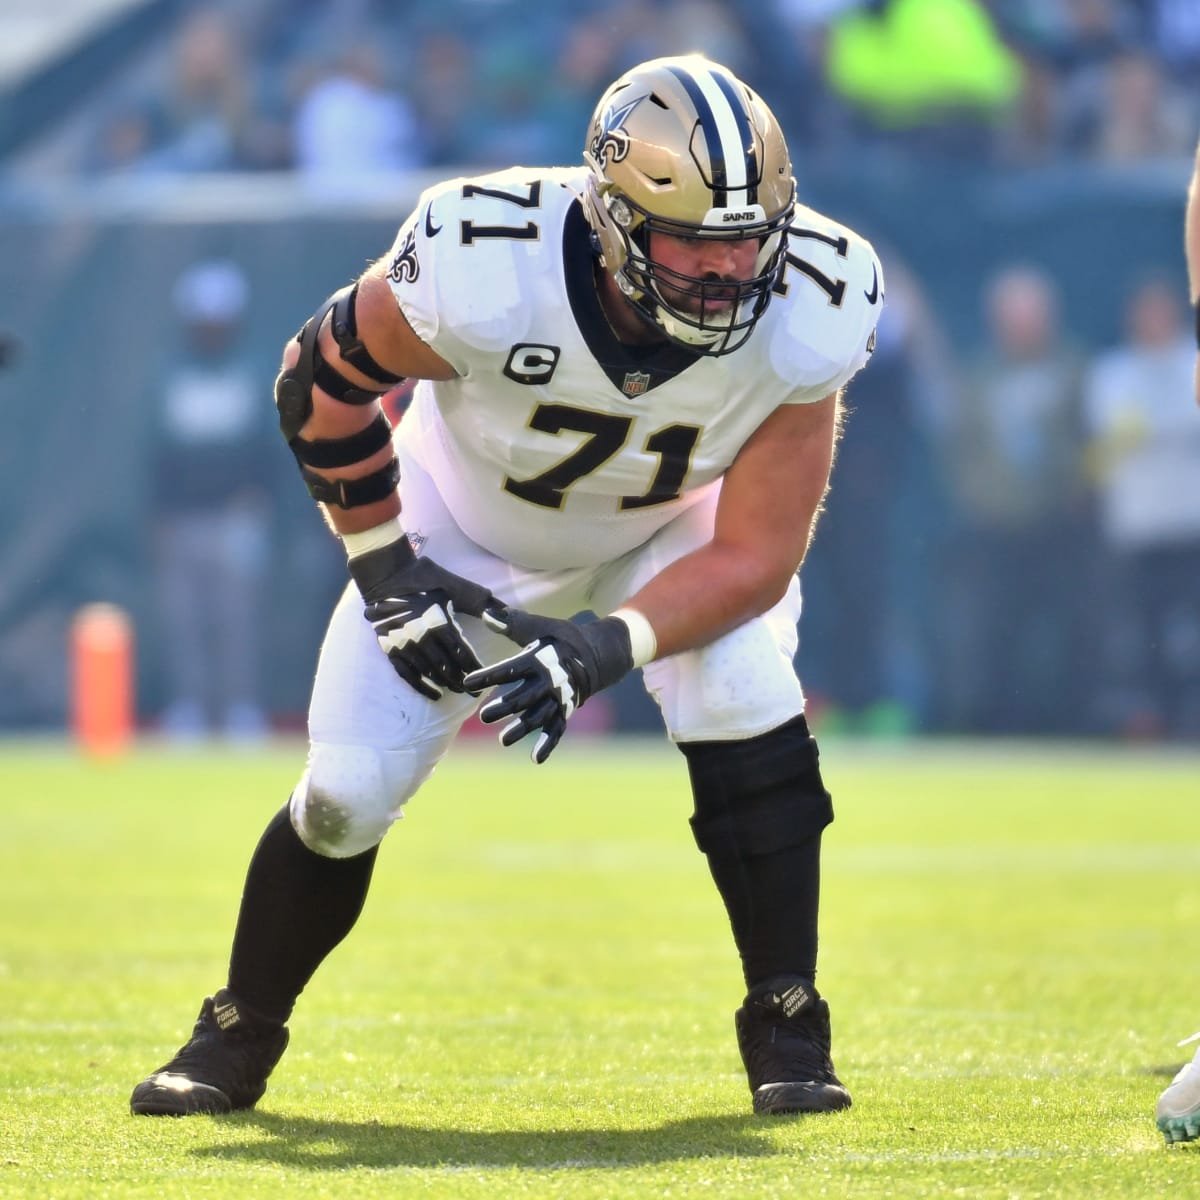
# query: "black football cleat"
(783, 1034)
(223, 1067)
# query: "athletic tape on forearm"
(642, 641)
(374, 538)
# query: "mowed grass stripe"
(538, 1000)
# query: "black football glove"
(412, 603)
(561, 665)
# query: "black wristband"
(1196, 312)
(612, 660)
(376, 569)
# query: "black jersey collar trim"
(660, 361)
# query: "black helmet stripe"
(727, 133)
(745, 130)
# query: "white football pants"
(373, 740)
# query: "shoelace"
(802, 1051)
(1187, 1041)
(793, 1049)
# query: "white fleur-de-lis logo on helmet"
(611, 143)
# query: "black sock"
(772, 901)
(761, 808)
(296, 907)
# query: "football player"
(1177, 1113)
(628, 403)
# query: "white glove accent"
(559, 678)
(414, 630)
(561, 683)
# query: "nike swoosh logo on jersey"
(873, 294)
(431, 230)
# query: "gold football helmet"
(681, 146)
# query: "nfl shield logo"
(636, 382)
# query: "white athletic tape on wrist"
(642, 641)
(375, 538)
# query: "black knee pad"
(760, 795)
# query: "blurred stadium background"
(1012, 546)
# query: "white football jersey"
(557, 445)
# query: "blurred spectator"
(122, 141)
(706, 27)
(1096, 34)
(1063, 59)
(868, 577)
(514, 123)
(1143, 118)
(1114, 81)
(476, 82)
(441, 82)
(211, 511)
(934, 71)
(1021, 549)
(590, 59)
(791, 39)
(350, 124)
(524, 114)
(1172, 32)
(204, 113)
(207, 114)
(1145, 459)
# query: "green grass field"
(538, 1000)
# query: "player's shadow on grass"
(318, 1145)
